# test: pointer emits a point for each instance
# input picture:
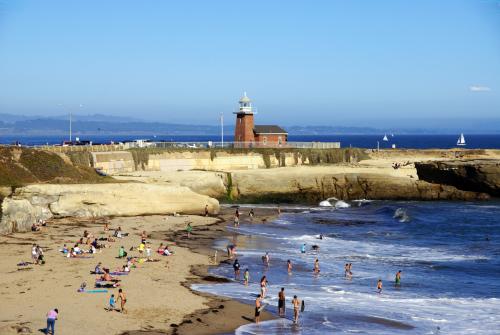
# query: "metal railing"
(189, 145)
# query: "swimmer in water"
(303, 248)
(265, 259)
(397, 280)
(315, 247)
(263, 286)
(316, 266)
(379, 286)
(346, 269)
(289, 266)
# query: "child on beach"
(189, 229)
(246, 277)
(111, 303)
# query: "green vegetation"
(22, 166)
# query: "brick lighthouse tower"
(244, 122)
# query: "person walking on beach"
(123, 300)
(296, 308)
(316, 266)
(206, 210)
(281, 303)
(246, 277)
(258, 305)
(289, 266)
(236, 220)
(397, 281)
(189, 229)
(379, 286)
(51, 320)
(236, 267)
(111, 303)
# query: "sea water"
(448, 252)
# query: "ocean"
(360, 141)
(448, 252)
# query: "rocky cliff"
(478, 175)
(42, 201)
(312, 186)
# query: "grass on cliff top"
(22, 166)
(313, 156)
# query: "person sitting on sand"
(64, 249)
(121, 252)
(34, 227)
(144, 235)
(98, 270)
(167, 251)
(77, 249)
(111, 239)
(141, 248)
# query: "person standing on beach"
(296, 308)
(236, 219)
(281, 303)
(34, 254)
(289, 266)
(279, 210)
(189, 229)
(206, 210)
(246, 277)
(236, 267)
(111, 303)
(123, 299)
(397, 281)
(379, 286)
(251, 214)
(258, 305)
(263, 286)
(316, 266)
(265, 259)
(51, 320)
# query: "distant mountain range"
(99, 124)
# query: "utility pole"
(222, 130)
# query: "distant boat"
(385, 138)
(461, 140)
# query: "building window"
(279, 140)
(264, 140)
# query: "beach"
(158, 294)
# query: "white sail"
(385, 138)
(461, 140)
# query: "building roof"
(269, 129)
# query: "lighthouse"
(248, 135)
(243, 132)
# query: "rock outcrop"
(479, 175)
(295, 185)
(42, 201)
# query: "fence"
(188, 145)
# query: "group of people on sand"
(37, 226)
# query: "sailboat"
(461, 140)
(385, 138)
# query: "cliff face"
(28, 204)
(311, 187)
(479, 175)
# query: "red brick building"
(252, 135)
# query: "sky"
(301, 62)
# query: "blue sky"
(302, 62)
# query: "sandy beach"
(158, 298)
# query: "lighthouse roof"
(244, 98)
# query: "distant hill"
(100, 124)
